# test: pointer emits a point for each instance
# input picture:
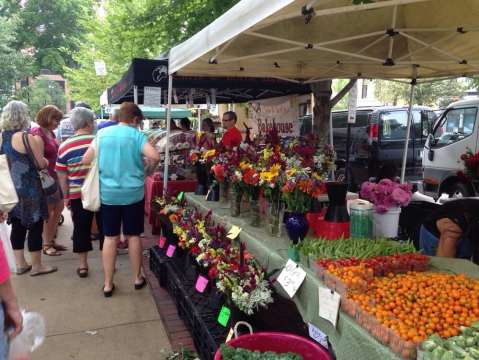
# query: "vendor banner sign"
(278, 111)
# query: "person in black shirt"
(452, 230)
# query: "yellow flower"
(290, 172)
(244, 165)
(209, 153)
(267, 176)
(275, 168)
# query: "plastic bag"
(31, 337)
(7, 246)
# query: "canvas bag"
(90, 190)
(8, 194)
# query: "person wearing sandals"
(48, 119)
(28, 215)
(71, 175)
(120, 152)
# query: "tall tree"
(438, 93)
(12, 62)
(41, 93)
(54, 30)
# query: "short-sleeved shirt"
(50, 148)
(121, 168)
(105, 124)
(65, 130)
(69, 160)
(232, 138)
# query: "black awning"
(146, 72)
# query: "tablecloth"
(348, 339)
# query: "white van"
(456, 130)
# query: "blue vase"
(297, 226)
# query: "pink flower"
(400, 196)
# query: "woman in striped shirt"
(71, 175)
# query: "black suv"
(378, 137)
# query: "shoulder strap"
(28, 149)
(1, 143)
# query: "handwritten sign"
(162, 242)
(201, 284)
(318, 335)
(279, 112)
(234, 232)
(291, 277)
(224, 316)
(329, 302)
(170, 251)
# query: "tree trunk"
(322, 108)
(323, 104)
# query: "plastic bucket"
(386, 225)
(280, 343)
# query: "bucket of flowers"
(387, 197)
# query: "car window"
(393, 125)
(456, 125)
(340, 120)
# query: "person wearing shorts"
(120, 150)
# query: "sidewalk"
(81, 323)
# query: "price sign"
(162, 242)
(352, 104)
(201, 284)
(234, 232)
(230, 335)
(170, 251)
(318, 335)
(329, 302)
(151, 96)
(291, 277)
(224, 316)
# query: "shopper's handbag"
(49, 184)
(90, 191)
(8, 194)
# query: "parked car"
(454, 132)
(378, 137)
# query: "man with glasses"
(232, 137)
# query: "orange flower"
(173, 218)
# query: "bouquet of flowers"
(471, 165)
(386, 194)
(324, 161)
(244, 284)
(272, 164)
(184, 226)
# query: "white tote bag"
(8, 194)
(7, 246)
(90, 191)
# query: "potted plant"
(387, 197)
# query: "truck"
(378, 138)
(453, 134)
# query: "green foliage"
(12, 62)
(438, 93)
(144, 28)
(41, 93)
(54, 28)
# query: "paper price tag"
(318, 335)
(162, 242)
(224, 316)
(201, 284)
(170, 251)
(230, 335)
(291, 277)
(329, 302)
(234, 232)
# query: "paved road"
(81, 323)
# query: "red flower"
(251, 177)
(219, 172)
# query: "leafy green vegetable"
(231, 353)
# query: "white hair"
(81, 117)
(15, 116)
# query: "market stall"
(292, 40)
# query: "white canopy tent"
(311, 40)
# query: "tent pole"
(331, 134)
(408, 131)
(167, 147)
(135, 94)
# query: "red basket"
(280, 343)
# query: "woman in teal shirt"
(121, 149)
